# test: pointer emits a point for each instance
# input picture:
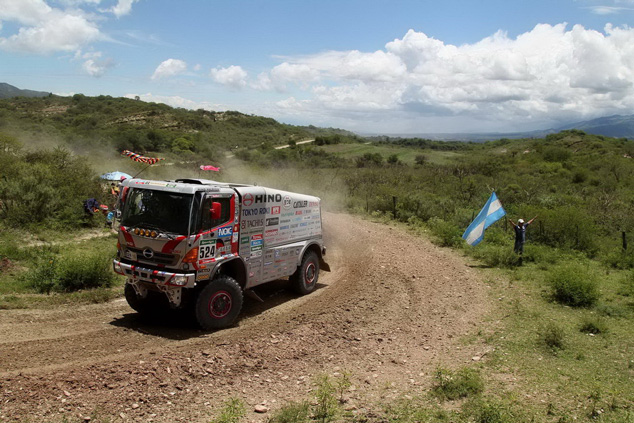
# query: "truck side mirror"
(216, 211)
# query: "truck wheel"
(304, 280)
(150, 304)
(219, 303)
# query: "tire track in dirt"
(391, 311)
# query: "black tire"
(305, 278)
(219, 303)
(153, 303)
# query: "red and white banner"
(215, 169)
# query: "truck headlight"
(179, 280)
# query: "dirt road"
(393, 309)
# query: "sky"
(368, 66)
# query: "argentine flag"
(490, 213)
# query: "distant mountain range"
(611, 126)
(8, 91)
(616, 126)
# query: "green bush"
(495, 255)
(448, 234)
(574, 285)
(294, 412)
(593, 326)
(71, 274)
(454, 385)
(232, 412)
(552, 336)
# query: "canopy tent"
(115, 176)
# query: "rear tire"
(219, 303)
(305, 278)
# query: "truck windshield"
(160, 210)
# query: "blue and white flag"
(490, 213)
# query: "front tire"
(305, 278)
(152, 303)
(219, 303)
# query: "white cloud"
(608, 10)
(169, 67)
(123, 7)
(548, 74)
(45, 30)
(233, 76)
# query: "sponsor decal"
(294, 225)
(313, 204)
(273, 221)
(283, 227)
(244, 240)
(235, 237)
(298, 212)
(287, 202)
(256, 253)
(300, 204)
(247, 200)
(303, 224)
(277, 254)
(256, 237)
(276, 210)
(285, 220)
(227, 231)
(256, 243)
(256, 223)
(268, 198)
(270, 233)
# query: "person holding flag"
(490, 213)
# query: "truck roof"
(185, 186)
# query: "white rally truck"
(202, 244)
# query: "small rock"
(476, 358)
(135, 406)
(261, 409)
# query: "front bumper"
(141, 274)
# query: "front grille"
(158, 258)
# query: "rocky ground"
(393, 309)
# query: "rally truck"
(200, 245)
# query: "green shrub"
(552, 337)
(619, 259)
(232, 412)
(295, 412)
(574, 285)
(496, 256)
(71, 274)
(326, 408)
(448, 234)
(459, 384)
(593, 326)
(489, 411)
(85, 272)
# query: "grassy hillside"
(561, 345)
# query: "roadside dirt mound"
(392, 310)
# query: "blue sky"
(372, 66)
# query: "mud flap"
(323, 265)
